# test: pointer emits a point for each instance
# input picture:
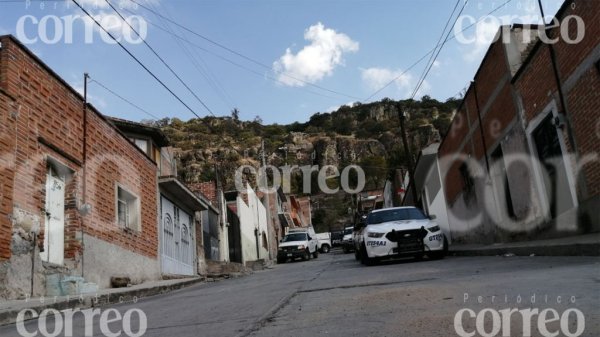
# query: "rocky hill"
(363, 134)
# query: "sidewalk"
(582, 245)
(10, 309)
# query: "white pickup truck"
(324, 242)
(298, 243)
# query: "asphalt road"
(336, 296)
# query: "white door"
(176, 247)
(54, 224)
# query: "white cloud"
(485, 32)
(376, 78)
(336, 107)
(317, 59)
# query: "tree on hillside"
(376, 171)
(235, 114)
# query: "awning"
(283, 219)
(184, 196)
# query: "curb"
(86, 301)
(576, 249)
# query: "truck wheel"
(364, 257)
(345, 249)
(316, 253)
(356, 255)
(325, 249)
(306, 255)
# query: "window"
(468, 182)
(396, 214)
(265, 244)
(128, 210)
(549, 151)
(141, 143)
(502, 177)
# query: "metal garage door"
(177, 254)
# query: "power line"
(163, 61)
(204, 70)
(221, 57)
(208, 125)
(433, 50)
(438, 42)
(422, 80)
(123, 99)
(238, 53)
(135, 58)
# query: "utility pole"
(85, 207)
(411, 165)
(267, 194)
(222, 216)
(485, 149)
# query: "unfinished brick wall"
(44, 110)
(583, 97)
(7, 139)
(571, 56)
(49, 122)
(495, 120)
(112, 159)
(208, 189)
(581, 83)
(489, 96)
(584, 104)
(452, 145)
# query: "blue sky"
(351, 47)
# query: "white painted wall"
(437, 203)
(252, 216)
(224, 232)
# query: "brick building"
(509, 163)
(214, 221)
(79, 201)
(181, 212)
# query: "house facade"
(180, 211)
(214, 221)
(520, 159)
(83, 198)
(249, 240)
(64, 168)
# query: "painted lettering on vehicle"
(437, 237)
(376, 243)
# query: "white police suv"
(396, 232)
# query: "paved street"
(336, 296)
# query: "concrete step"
(63, 285)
